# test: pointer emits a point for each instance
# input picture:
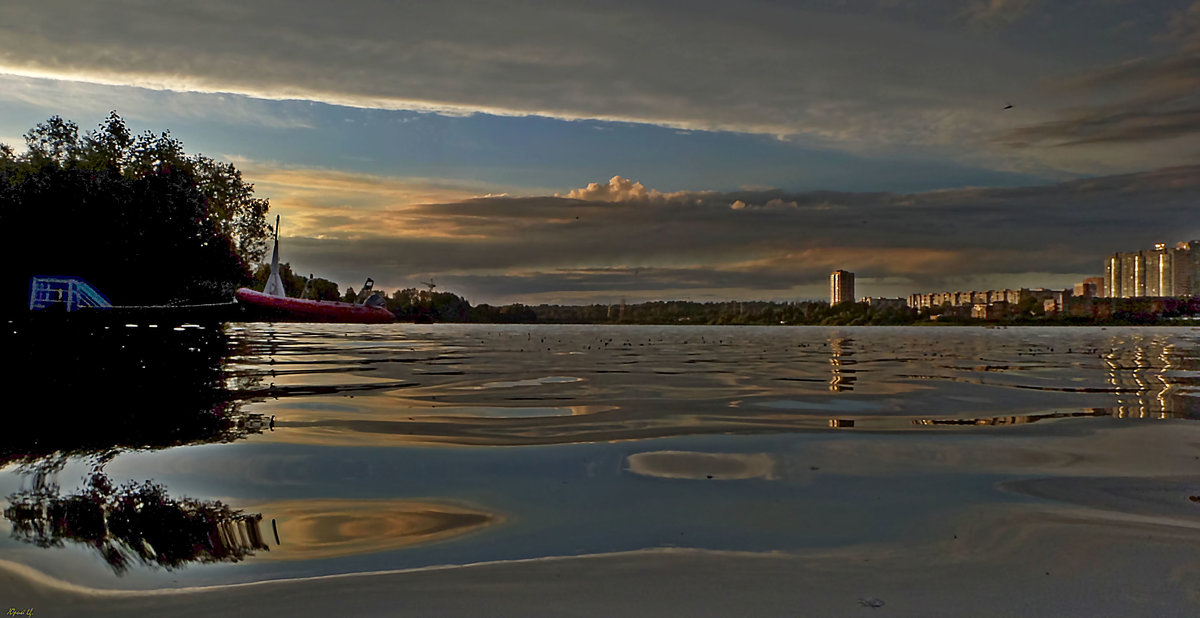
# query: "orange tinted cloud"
(885, 260)
(323, 203)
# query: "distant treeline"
(411, 304)
(133, 214)
(448, 307)
(689, 312)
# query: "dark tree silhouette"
(134, 215)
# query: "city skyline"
(568, 154)
(1160, 272)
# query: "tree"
(109, 146)
(239, 214)
(322, 289)
(136, 216)
(54, 142)
(151, 154)
(1029, 306)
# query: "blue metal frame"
(71, 292)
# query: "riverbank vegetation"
(412, 304)
(135, 215)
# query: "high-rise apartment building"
(841, 287)
(1161, 271)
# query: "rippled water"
(287, 450)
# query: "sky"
(578, 152)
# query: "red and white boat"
(304, 310)
(273, 303)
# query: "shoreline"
(1042, 561)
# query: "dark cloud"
(1172, 74)
(869, 79)
(1159, 99)
(1142, 100)
(1185, 28)
(644, 282)
(1110, 124)
(996, 11)
(816, 69)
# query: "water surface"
(169, 457)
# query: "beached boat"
(273, 304)
(287, 309)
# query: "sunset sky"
(579, 152)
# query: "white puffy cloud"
(617, 190)
(620, 189)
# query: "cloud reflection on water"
(326, 528)
(693, 465)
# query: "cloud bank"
(881, 77)
(777, 245)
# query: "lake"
(556, 469)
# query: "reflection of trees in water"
(134, 522)
(90, 389)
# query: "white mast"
(274, 285)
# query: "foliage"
(414, 304)
(689, 312)
(321, 289)
(134, 215)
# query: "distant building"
(884, 304)
(990, 311)
(990, 297)
(956, 312)
(1092, 287)
(1160, 271)
(841, 287)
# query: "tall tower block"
(841, 287)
